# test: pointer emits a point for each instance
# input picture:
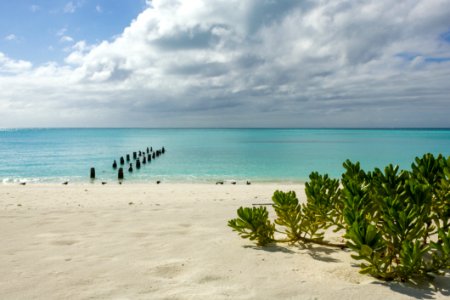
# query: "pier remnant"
(92, 173)
(138, 164)
(122, 161)
(134, 155)
(120, 174)
(149, 158)
(114, 165)
(144, 160)
(130, 169)
(128, 157)
(148, 150)
(163, 150)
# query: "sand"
(167, 241)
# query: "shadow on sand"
(316, 252)
(422, 288)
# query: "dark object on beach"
(153, 155)
(65, 183)
(120, 174)
(103, 182)
(233, 182)
(158, 182)
(148, 150)
(163, 150)
(219, 182)
(144, 160)
(92, 173)
(138, 164)
(120, 182)
(248, 183)
(23, 183)
(128, 157)
(122, 161)
(130, 169)
(134, 155)
(114, 165)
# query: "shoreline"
(162, 181)
(142, 241)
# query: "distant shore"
(159, 241)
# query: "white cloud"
(11, 37)
(98, 8)
(66, 39)
(72, 6)
(61, 32)
(251, 63)
(34, 8)
(8, 65)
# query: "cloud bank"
(254, 63)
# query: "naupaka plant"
(395, 221)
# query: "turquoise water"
(199, 155)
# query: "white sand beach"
(167, 241)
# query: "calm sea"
(207, 155)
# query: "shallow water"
(199, 155)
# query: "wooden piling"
(130, 169)
(122, 161)
(120, 174)
(92, 173)
(138, 164)
(114, 165)
(128, 157)
(134, 155)
(144, 160)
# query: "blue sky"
(41, 31)
(225, 63)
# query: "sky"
(225, 63)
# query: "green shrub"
(397, 222)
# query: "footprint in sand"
(209, 278)
(63, 242)
(168, 270)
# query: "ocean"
(208, 155)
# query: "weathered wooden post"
(163, 150)
(130, 169)
(114, 165)
(144, 160)
(122, 161)
(153, 155)
(134, 155)
(92, 173)
(151, 149)
(138, 164)
(149, 158)
(140, 153)
(120, 174)
(128, 157)
(148, 150)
